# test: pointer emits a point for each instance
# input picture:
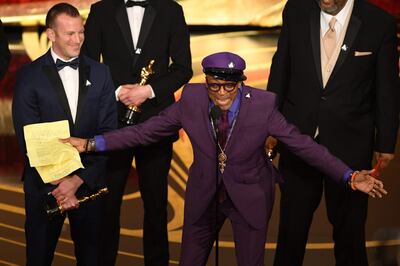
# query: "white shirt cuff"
(117, 93)
(153, 95)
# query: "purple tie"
(223, 127)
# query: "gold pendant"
(222, 161)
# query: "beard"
(332, 10)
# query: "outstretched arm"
(156, 128)
(319, 157)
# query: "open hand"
(364, 182)
(78, 143)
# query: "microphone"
(215, 114)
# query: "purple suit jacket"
(248, 176)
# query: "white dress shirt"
(70, 81)
(340, 19)
(135, 17)
(339, 25)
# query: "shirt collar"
(340, 17)
(236, 103)
(55, 56)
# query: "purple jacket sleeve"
(151, 131)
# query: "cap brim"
(226, 75)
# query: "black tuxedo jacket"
(39, 97)
(358, 110)
(4, 52)
(163, 37)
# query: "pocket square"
(357, 53)
(88, 83)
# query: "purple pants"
(198, 238)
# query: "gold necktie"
(329, 39)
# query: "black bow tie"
(131, 3)
(61, 64)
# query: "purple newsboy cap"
(225, 66)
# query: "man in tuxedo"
(64, 85)
(226, 117)
(4, 52)
(128, 35)
(336, 76)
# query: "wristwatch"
(91, 145)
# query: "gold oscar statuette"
(53, 209)
(133, 112)
(270, 148)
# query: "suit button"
(323, 98)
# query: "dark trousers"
(198, 238)
(42, 233)
(152, 164)
(301, 194)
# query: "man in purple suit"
(245, 191)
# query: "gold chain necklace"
(222, 157)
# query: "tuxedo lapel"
(121, 16)
(51, 73)
(245, 102)
(84, 77)
(148, 18)
(351, 34)
(315, 30)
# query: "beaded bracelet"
(353, 176)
